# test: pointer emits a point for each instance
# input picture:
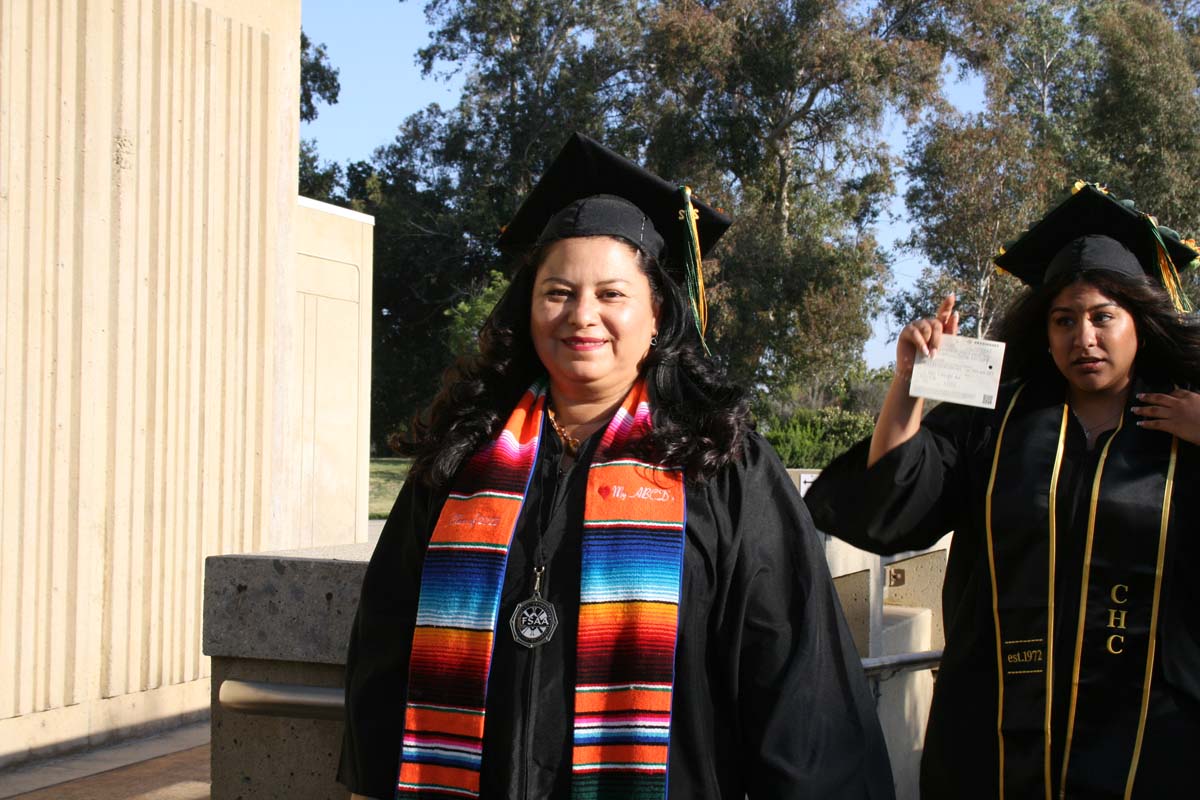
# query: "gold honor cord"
(1049, 671)
(1158, 574)
(995, 600)
(1087, 561)
(693, 266)
(1062, 440)
(1083, 590)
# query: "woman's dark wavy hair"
(1169, 342)
(700, 421)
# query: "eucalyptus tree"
(1099, 90)
(1138, 127)
(772, 109)
(974, 181)
(781, 105)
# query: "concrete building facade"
(153, 349)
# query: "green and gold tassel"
(692, 262)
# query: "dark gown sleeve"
(380, 642)
(807, 720)
(908, 499)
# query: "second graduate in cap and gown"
(598, 581)
(1072, 660)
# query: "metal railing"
(885, 667)
(322, 702)
(282, 699)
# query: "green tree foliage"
(811, 438)
(320, 180)
(318, 78)
(1077, 89)
(1139, 130)
(860, 389)
(424, 263)
(772, 109)
(776, 106)
(864, 390)
(468, 315)
(973, 181)
(1045, 74)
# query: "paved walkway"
(179, 776)
(173, 765)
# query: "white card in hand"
(965, 370)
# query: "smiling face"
(592, 316)
(1093, 340)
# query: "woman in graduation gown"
(598, 581)
(1072, 658)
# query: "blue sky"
(373, 43)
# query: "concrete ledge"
(269, 757)
(285, 617)
(291, 605)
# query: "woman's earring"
(654, 340)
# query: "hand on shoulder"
(1177, 413)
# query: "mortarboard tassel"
(1168, 275)
(692, 266)
(1167, 272)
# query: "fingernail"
(933, 352)
(1141, 396)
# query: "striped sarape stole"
(632, 554)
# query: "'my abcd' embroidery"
(654, 493)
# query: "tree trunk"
(783, 164)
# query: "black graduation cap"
(589, 190)
(1093, 230)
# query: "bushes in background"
(811, 438)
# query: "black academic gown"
(770, 699)
(936, 483)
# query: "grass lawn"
(387, 476)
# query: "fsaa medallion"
(533, 622)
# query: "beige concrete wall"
(333, 407)
(147, 185)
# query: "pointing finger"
(946, 308)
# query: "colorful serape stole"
(632, 568)
(628, 614)
(456, 613)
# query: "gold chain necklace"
(569, 441)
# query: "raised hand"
(924, 336)
(900, 418)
